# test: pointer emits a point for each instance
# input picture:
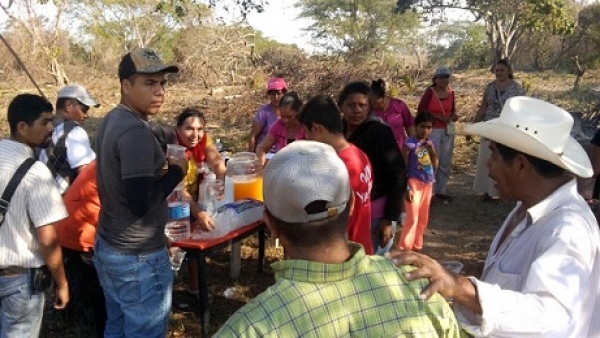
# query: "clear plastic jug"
(243, 171)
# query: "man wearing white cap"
(70, 150)
(542, 274)
(328, 287)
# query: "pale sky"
(279, 23)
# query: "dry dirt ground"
(461, 230)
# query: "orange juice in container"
(242, 170)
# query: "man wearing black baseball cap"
(130, 253)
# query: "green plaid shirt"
(367, 296)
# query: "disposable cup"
(177, 259)
(175, 151)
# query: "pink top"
(278, 132)
(398, 117)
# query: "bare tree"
(43, 30)
(505, 20)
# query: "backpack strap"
(57, 154)
(12, 186)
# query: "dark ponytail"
(378, 88)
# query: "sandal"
(488, 198)
(443, 197)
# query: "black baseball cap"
(143, 61)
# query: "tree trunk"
(59, 73)
(579, 72)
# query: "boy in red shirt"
(322, 121)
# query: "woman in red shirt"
(438, 100)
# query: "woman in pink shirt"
(393, 112)
(285, 130)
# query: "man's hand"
(181, 162)
(441, 280)
(62, 296)
(385, 232)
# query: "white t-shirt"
(79, 151)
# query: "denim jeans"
(137, 291)
(376, 248)
(20, 311)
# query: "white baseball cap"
(80, 94)
(302, 173)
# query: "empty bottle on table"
(178, 224)
(222, 150)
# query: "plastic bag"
(232, 216)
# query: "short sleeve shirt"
(127, 148)
(496, 98)
(79, 151)
(365, 296)
(361, 181)
(278, 132)
(265, 116)
(419, 161)
(398, 117)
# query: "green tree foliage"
(112, 27)
(461, 45)
(588, 35)
(357, 27)
(505, 20)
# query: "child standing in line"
(421, 160)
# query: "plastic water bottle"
(222, 151)
(178, 224)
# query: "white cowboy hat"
(539, 129)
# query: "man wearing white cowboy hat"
(542, 274)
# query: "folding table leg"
(235, 262)
(261, 248)
(203, 290)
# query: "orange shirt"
(78, 231)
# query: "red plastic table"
(200, 248)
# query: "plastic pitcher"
(242, 170)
